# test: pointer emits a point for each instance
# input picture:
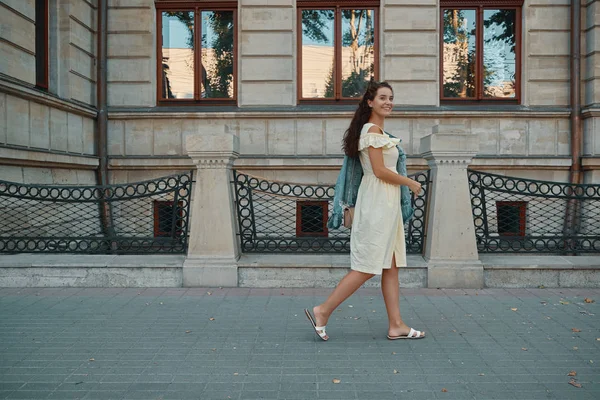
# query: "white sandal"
(319, 330)
(413, 334)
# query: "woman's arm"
(387, 175)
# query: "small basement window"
(163, 218)
(311, 218)
(512, 217)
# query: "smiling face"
(383, 102)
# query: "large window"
(480, 50)
(41, 44)
(337, 49)
(196, 52)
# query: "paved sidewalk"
(257, 344)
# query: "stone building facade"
(49, 135)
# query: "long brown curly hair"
(361, 117)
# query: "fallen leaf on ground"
(209, 293)
(91, 359)
(350, 306)
(576, 330)
(212, 319)
(395, 371)
(524, 348)
(187, 331)
(598, 339)
(574, 383)
(235, 374)
(514, 309)
(588, 300)
(444, 390)
(575, 348)
(336, 381)
(564, 302)
(393, 352)
(214, 349)
(481, 374)
(572, 373)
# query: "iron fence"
(516, 215)
(142, 217)
(282, 217)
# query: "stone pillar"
(213, 250)
(450, 247)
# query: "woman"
(377, 245)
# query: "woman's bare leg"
(390, 287)
(347, 286)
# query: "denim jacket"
(348, 182)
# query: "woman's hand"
(414, 186)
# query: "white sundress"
(377, 226)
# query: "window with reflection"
(338, 49)
(480, 50)
(196, 53)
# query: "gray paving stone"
(260, 345)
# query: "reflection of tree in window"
(217, 74)
(459, 56)
(183, 56)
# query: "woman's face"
(383, 102)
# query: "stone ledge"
(38, 158)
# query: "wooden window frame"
(156, 216)
(337, 6)
(324, 204)
(522, 206)
(41, 44)
(479, 7)
(197, 7)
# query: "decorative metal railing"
(282, 217)
(142, 217)
(515, 215)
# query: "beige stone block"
(538, 17)
(89, 136)
(513, 137)
(82, 63)
(594, 132)
(420, 129)
(84, 13)
(409, 18)
(189, 127)
(548, 93)
(82, 89)
(138, 137)
(410, 43)
(75, 133)
(281, 137)
(253, 43)
(16, 29)
(11, 173)
(82, 37)
(253, 136)
(131, 19)
(37, 176)
(400, 128)
(592, 15)
(266, 3)
(267, 69)
(135, 69)
(130, 45)
(129, 3)
(309, 136)
(564, 137)
(17, 122)
(267, 19)
(267, 94)
(589, 140)
(414, 93)
(59, 130)
(487, 131)
(64, 176)
(542, 137)
(139, 94)
(116, 137)
(39, 125)
(167, 137)
(334, 134)
(87, 177)
(25, 7)
(16, 63)
(592, 66)
(410, 68)
(548, 43)
(540, 68)
(2, 118)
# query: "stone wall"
(17, 39)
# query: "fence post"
(450, 247)
(213, 250)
